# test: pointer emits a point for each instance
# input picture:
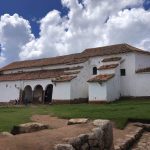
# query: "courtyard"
(119, 112)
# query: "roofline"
(133, 50)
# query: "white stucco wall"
(97, 91)
(130, 85)
(127, 82)
(142, 84)
(131, 82)
(113, 86)
(124, 85)
(9, 91)
(141, 61)
(61, 91)
(79, 85)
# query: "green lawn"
(119, 112)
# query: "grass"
(119, 112)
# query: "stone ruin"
(101, 138)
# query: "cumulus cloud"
(131, 26)
(14, 33)
(88, 23)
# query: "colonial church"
(94, 75)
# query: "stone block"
(6, 134)
(28, 128)
(85, 147)
(77, 121)
(83, 138)
(64, 147)
(75, 142)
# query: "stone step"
(129, 140)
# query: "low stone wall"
(145, 126)
(100, 138)
(129, 140)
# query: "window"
(122, 72)
(94, 70)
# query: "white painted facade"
(9, 91)
(97, 92)
(132, 84)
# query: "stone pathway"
(143, 143)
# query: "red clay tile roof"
(74, 58)
(112, 49)
(42, 74)
(77, 61)
(42, 62)
(101, 78)
(111, 59)
(63, 78)
(143, 70)
(111, 66)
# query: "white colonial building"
(96, 74)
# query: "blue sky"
(46, 28)
(34, 11)
(31, 10)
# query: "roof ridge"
(70, 58)
(106, 46)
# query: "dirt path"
(53, 122)
(120, 134)
(46, 139)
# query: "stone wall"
(100, 138)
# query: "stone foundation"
(74, 101)
(100, 138)
(98, 102)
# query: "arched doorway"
(38, 94)
(48, 94)
(27, 94)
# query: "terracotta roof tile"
(112, 49)
(101, 78)
(42, 74)
(44, 62)
(111, 59)
(63, 78)
(143, 70)
(77, 61)
(111, 66)
(74, 58)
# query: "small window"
(122, 72)
(94, 70)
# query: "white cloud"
(14, 33)
(89, 23)
(84, 26)
(131, 26)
